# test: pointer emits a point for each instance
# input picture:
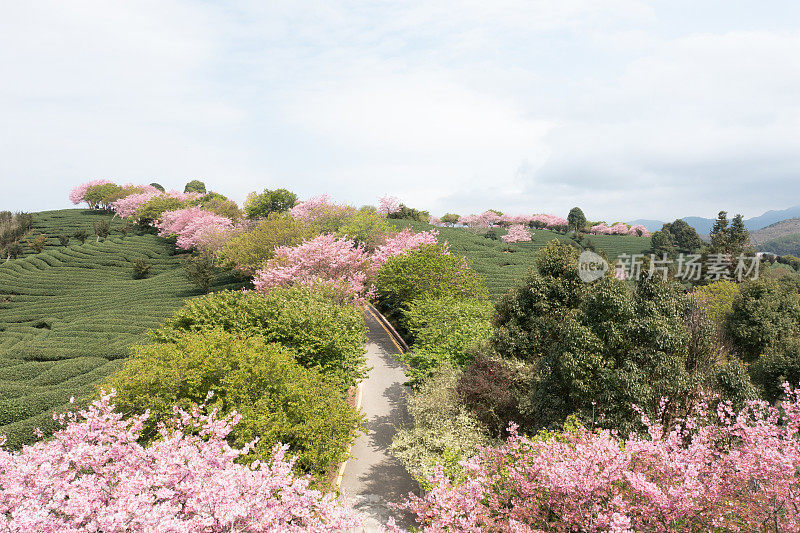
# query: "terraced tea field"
(503, 265)
(69, 314)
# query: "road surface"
(372, 477)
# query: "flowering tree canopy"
(517, 233)
(722, 471)
(193, 226)
(93, 475)
(400, 244)
(388, 205)
(78, 193)
(549, 221)
(325, 258)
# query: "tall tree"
(576, 219)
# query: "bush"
(13, 250)
(279, 401)
(152, 209)
(249, 251)
(195, 186)
(157, 186)
(489, 389)
(594, 350)
(141, 268)
(444, 331)
(366, 226)
(324, 331)
(219, 204)
(443, 432)
(408, 213)
(429, 271)
(64, 240)
(201, 271)
(102, 228)
(38, 243)
(764, 313)
(717, 299)
(268, 202)
(81, 235)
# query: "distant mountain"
(704, 225)
(777, 230)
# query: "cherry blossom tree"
(516, 233)
(400, 244)
(193, 226)
(77, 194)
(549, 221)
(716, 471)
(93, 475)
(388, 205)
(326, 258)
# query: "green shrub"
(427, 272)
(102, 228)
(444, 331)
(443, 432)
(195, 186)
(717, 299)
(152, 210)
(64, 240)
(324, 332)
(765, 312)
(219, 204)
(38, 243)
(141, 268)
(202, 271)
(268, 202)
(366, 226)
(81, 235)
(248, 251)
(102, 196)
(279, 400)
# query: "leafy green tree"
(195, 186)
(576, 219)
(248, 251)
(38, 243)
(269, 201)
(429, 271)
(158, 186)
(366, 226)
(450, 218)
(152, 210)
(408, 213)
(729, 237)
(324, 330)
(674, 238)
(102, 229)
(202, 271)
(765, 313)
(278, 400)
(594, 350)
(81, 235)
(104, 195)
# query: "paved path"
(372, 477)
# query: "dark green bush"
(156, 206)
(269, 201)
(102, 229)
(195, 186)
(202, 271)
(324, 332)
(63, 239)
(38, 243)
(141, 268)
(279, 400)
(81, 235)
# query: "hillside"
(775, 231)
(504, 266)
(703, 225)
(69, 314)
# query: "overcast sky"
(627, 108)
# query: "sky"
(626, 108)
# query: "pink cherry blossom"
(716, 471)
(93, 475)
(326, 258)
(193, 226)
(517, 233)
(400, 244)
(126, 207)
(388, 205)
(77, 194)
(639, 230)
(550, 221)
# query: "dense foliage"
(723, 471)
(278, 400)
(259, 205)
(323, 330)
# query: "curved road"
(372, 477)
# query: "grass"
(69, 314)
(504, 266)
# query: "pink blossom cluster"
(484, 220)
(388, 205)
(193, 226)
(126, 207)
(550, 221)
(517, 233)
(511, 220)
(315, 208)
(435, 221)
(400, 244)
(77, 194)
(93, 475)
(722, 471)
(620, 228)
(323, 259)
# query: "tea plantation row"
(69, 314)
